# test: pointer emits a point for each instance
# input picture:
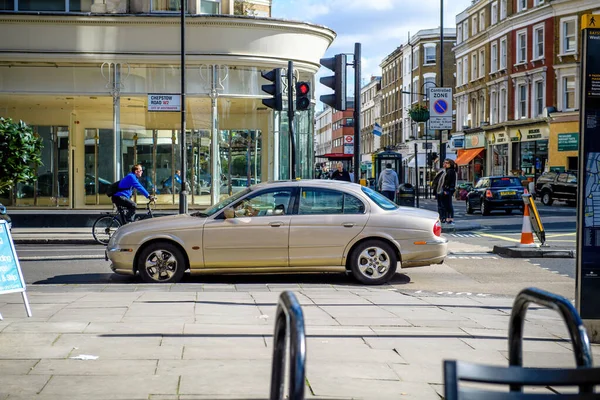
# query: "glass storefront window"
(210, 7)
(500, 159)
(7, 5)
(41, 5)
(166, 5)
(534, 157)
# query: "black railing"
(579, 337)
(288, 319)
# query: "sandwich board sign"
(11, 277)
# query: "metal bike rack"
(579, 337)
(288, 319)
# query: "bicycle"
(106, 225)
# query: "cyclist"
(122, 198)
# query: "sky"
(379, 25)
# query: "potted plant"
(419, 113)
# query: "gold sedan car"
(285, 226)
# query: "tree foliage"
(20, 153)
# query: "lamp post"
(442, 149)
(183, 206)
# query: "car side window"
(562, 178)
(571, 178)
(265, 203)
(319, 201)
(480, 183)
(352, 205)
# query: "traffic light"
(336, 82)
(302, 96)
(276, 89)
(431, 157)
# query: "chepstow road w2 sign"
(440, 108)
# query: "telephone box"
(385, 157)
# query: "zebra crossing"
(465, 235)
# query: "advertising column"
(588, 215)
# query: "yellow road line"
(501, 237)
(562, 234)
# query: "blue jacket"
(128, 183)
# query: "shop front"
(530, 149)
(470, 161)
(563, 145)
(498, 152)
(120, 105)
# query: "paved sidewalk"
(199, 341)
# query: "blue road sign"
(440, 106)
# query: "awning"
(335, 156)
(420, 159)
(467, 156)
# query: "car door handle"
(276, 224)
(348, 224)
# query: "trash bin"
(406, 195)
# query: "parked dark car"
(493, 193)
(552, 186)
(4, 216)
(46, 181)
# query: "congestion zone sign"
(440, 108)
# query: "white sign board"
(440, 108)
(348, 139)
(164, 102)
(11, 277)
(348, 149)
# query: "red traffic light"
(303, 88)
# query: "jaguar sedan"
(285, 226)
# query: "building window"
(538, 42)
(459, 68)
(465, 30)
(494, 57)
(210, 7)
(465, 70)
(474, 26)
(539, 98)
(502, 103)
(521, 5)
(415, 58)
(481, 109)
(538, 2)
(474, 66)
(503, 54)
(568, 93)
(458, 33)
(165, 5)
(503, 9)
(521, 101)
(494, 13)
(521, 47)
(494, 107)
(46, 5)
(481, 21)
(428, 82)
(481, 63)
(568, 37)
(429, 54)
(415, 95)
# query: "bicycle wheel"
(104, 227)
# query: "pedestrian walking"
(388, 182)
(437, 185)
(340, 174)
(448, 188)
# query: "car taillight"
(488, 194)
(437, 228)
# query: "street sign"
(348, 139)
(440, 108)
(164, 102)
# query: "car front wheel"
(547, 199)
(469, 208)
(373, 262)
(161, 263)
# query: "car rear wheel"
(161, 263)
(485, 208)
(547, 199)
(469, 208)
(373, 262)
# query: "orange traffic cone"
(526, 233)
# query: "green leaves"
(20, 153)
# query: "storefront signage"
(534, 134)
(475, 140)
(588, 215)
(517, 137)
(501, 138)
(11, 277)
(164, 102)
(568, 141)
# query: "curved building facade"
(102, 90)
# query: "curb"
(55, 241)
(525, 252)
(61, 258)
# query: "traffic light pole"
(183, 205)
(357, 68)
(290, 113)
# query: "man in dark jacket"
(122, 198)
(340, 174)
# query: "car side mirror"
(229, 213)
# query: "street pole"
(357, 67)
(442, 149)
(183, 206)
(417, 174)
(426, 162)
(290, 113)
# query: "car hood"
(137, 232)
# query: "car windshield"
(505, 182)
(223, 203)
(379, 199)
